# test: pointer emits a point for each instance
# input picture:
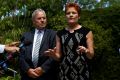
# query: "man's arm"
(50, 61)
(22, 62)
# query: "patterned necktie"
(36, 49)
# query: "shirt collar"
(41, 30)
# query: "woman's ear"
(79, 17)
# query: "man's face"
(40, 20)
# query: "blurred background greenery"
(101, 16)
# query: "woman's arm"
(56, 52)
(90, 49)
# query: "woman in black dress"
(74, 47)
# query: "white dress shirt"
(35, 37)
(2, 47)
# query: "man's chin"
(40, 27)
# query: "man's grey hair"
(37, 10)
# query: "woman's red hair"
(75, 5)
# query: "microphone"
(3, 63)
(24, 43)
(21, 46)
(13, 55)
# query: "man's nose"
(42, 19)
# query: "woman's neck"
(71, 28)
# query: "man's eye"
(44, 18)
(38, 18)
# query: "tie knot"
(39, 31)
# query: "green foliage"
(16, 77)
(109, 18)
(11, 30)
(105, 26)
(57, 22)
(101, 38)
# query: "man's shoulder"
(51, 31)
(29, 32)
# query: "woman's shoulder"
(84, 30)
(61, 32)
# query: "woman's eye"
(73, 12)
(68, 13)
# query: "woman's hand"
(82, 49)
(52, 53)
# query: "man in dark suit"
(34, 65)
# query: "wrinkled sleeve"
(2, 47)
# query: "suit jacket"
(47, 63)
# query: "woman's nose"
(71, 14)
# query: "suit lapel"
(31, 46)
(44, 37)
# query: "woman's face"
(72, 15)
